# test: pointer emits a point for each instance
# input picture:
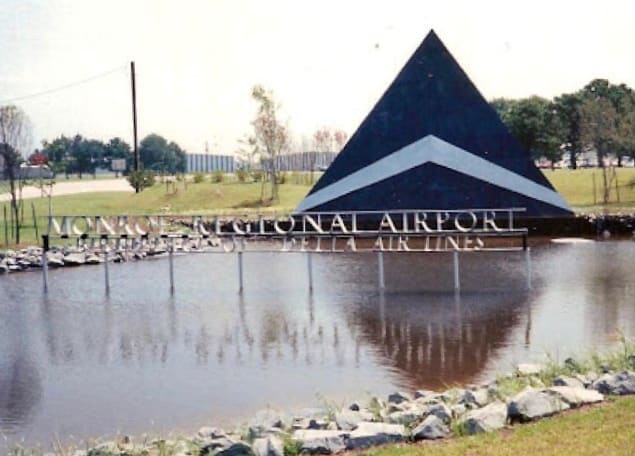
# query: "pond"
(77, 364)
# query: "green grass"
(608, 429)
(576, 186)
(201, 198)
(230, 196)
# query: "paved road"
(68, 188)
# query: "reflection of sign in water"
(118, 164)
(414, 230)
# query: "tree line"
(80, 155)
(599, 118)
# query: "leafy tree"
(85, 155)
(534, 122)
(567, 107)
(179, 157)
(117, 148)
(58, 152)
(15, 137)
(622, 99)
(270, 134)
(599, 131)
(159, 155)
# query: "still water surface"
(77, 364)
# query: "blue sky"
(327, 62)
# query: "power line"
(64, 87)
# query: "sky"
(327, 62)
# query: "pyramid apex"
(433, 141)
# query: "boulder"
(371, 434)
(104, 449)
(266, 419)
(55, 259)
(586, 382)
(321, 442)
(619, 383)
(486, 419)
(531, 404)
(214, 445)
(458, 410)
(477, 398)
(406, 417)
(92, 259)
(576, 397)
(399, 397)
(309, 423)
(392, 408)
(211, 432)
(431, 428)
(529, 369)
(236, 449)
(347, 420)
(423, 393)
(268, 446)
(572, 382)
(441, 411)
(74, 259)
(355, 406)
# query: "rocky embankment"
(530, 393)
(30, 258)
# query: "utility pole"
(134, 121)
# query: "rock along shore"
(530, 393)
(30, 258)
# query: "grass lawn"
(201, 198)
(608, 429)
(233, 197)
(576, 186)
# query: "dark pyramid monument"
(433, 142)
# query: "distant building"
(205, 163)
(306, 161)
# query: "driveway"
(68, 188)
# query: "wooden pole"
(134, 121)
(45, 273)
(37, 231)
(11, 220)
(6, 228)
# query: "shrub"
(218, 176)
(199, 177)
(241, 175)
(256, 176)
(141, 179)
(282, 178)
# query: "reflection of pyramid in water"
(433, 142)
